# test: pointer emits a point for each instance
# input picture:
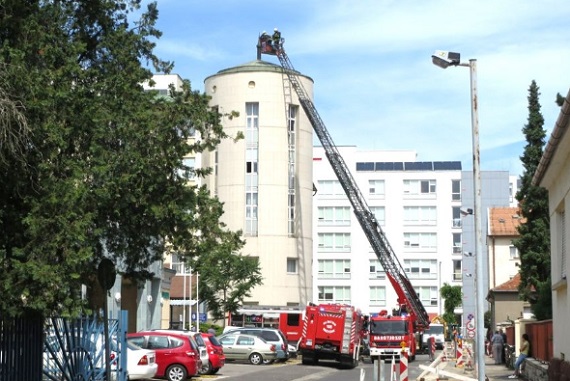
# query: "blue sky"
(375, 84)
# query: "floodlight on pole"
(445, 59)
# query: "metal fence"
(35, 349)
(21, 348)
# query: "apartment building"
(418, 205)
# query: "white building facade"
(418, 205)
(265, 179)
(553, 173)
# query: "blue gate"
(74, 349)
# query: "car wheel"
(256, 358)
(215, 370)
(208, 369)
(176, 373)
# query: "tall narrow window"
(457, 243)
(292, 145)
(251, 168)
(456, 215)
(456, 190)
(457, 276)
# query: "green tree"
(533, 243)
(102, 170)
(226, 278)
(453, 299)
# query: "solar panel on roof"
(364, 166)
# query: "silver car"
(247, 347)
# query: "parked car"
(216, 355)
(141, 363)
(177, 355)
(238, 346)
(204, 357)
(271, 335)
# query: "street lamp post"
(445, 59)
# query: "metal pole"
(190, 303)
(183, 295)
(478, 214)
(197, 303)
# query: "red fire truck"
(288, 319)
(332, 332)
(390, 334)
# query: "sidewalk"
(448, 371)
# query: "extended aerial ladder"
(376, 237)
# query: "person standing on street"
(504, 351)
(497, 343)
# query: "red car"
(177, 355)
(215, 352)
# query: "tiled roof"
(504, 221)
(512, 285)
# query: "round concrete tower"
(265, 179)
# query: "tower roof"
(254, 66)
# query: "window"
(456, 190)
(421, 268)
(334, 215)
(188, 170)
(420, 240)
(457, 272)
(419, 187)
(457, 243)
(330, 188)
(378, 296)
(335, 242)
(420, 215)
(251, 213)
(334, 268)
(380, 214)
(178, 265)
(292, 140)
(456, 215)
(428, 295)
(251, 168)
(514, 252)
(376, 270)
(291, 265)
(376, 187)
(334, 294)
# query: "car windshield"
(435, 330)
(388, 327)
